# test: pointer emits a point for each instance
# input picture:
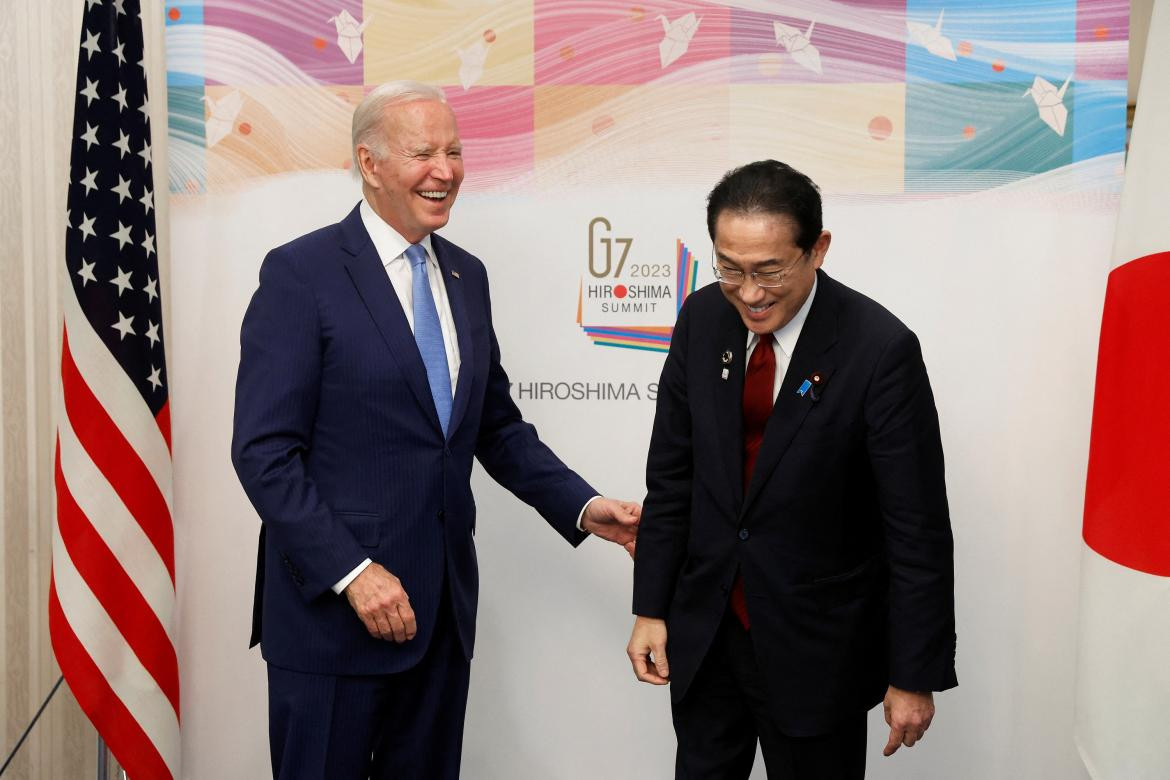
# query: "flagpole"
(102, 761)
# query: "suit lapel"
(373, 286)
(812, 354)
(453, 273)
(731, 338)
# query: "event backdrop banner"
(970, 154)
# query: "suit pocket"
(857, 571)
(859, 583)
(366, 527)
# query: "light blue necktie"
(429, 335)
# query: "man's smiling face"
(766, 242)
(413, 175)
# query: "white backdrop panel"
(1004, 290)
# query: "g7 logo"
(608, 243)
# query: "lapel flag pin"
(456, 274)
(724, 374)
(811, 385)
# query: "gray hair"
(367, 117)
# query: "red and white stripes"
(113, 590)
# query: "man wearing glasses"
(794, 563)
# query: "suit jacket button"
(743, 534)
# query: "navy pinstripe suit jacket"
(337, 444)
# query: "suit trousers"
(724, 712)
(405, 726)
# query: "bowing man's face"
(764, 244)
(414, 178)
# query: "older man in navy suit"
(369, 379)
(794, 562)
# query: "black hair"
(769, 187)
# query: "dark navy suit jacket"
(843, 536)
(338, 446)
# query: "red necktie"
(757, 408)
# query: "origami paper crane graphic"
(932, 38)
(677, 37)
(349, 34)
(471, 62)
(1050, 102)
(796, 43)
(223, 116)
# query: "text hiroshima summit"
(583, 391)
(637, 298)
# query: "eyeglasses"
(733, 277)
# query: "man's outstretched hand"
(614, 520)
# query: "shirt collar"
(787, 336)
(388, 242)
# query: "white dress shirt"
(783, 341)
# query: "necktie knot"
(416, 254)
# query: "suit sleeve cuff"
(581, 516)
(343, 583)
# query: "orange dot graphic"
(965, 48)
(567, 53)
(969, 132)
(174, 14)
(997, 66)
(637, 13)
(880, 128)
(602, 123)
(489, 35)
(318, 43)
(245, 128)
(347, 164)
(1101, 32)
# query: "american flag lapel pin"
(455, 274)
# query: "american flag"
(112, 591)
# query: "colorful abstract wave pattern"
(870, 97)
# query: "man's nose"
(441, 169)
(750, 292)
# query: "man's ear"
(821, 248)
(367, 165)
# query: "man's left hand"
(614, 520)
(908, 714)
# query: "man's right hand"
(647, 650)
(378, 598)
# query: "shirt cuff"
(581, 517)
(343, 583)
